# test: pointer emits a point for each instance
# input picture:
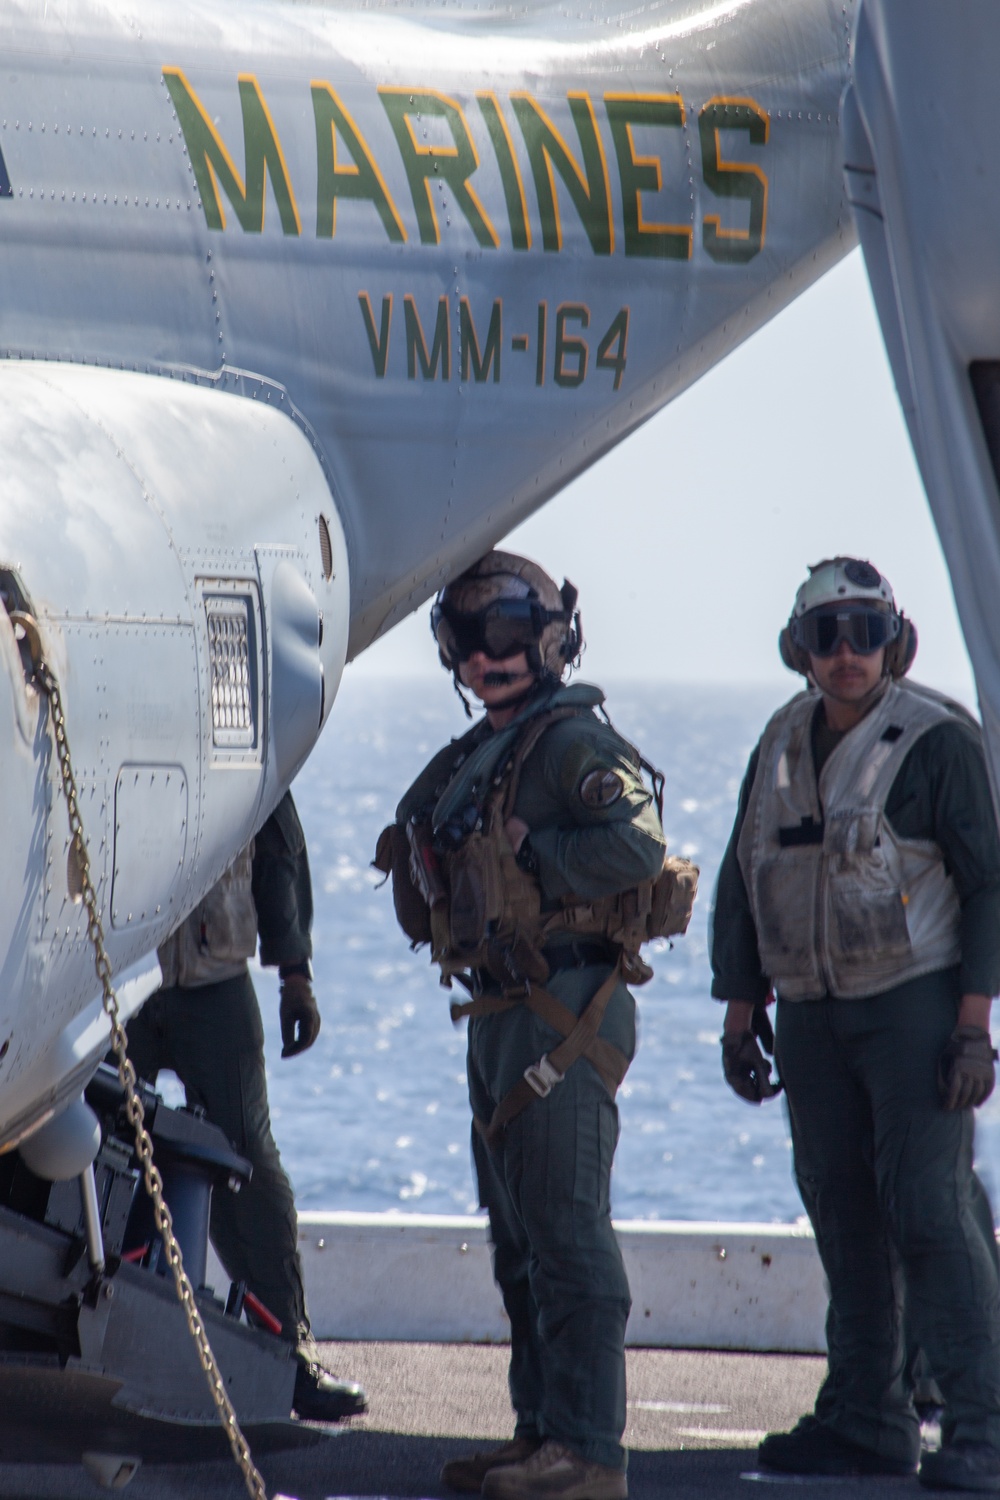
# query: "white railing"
(427, 1277)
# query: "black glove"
(299, 1012)
(746, 1069)
(966, 1073)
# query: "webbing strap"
(483, 1005)
(523, 747)
(580, 1040)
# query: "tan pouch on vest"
(475, 885)
(392, 857)
(672, 901)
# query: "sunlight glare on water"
(376, 1115)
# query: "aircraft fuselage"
(427, 229)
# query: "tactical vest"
(216, 939)
(841, 904)
(482, 911)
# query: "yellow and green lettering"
(213, 167)
(510, 172)
(733, 179)
(378, 338)
(589, 188)
(469, 344)
(357, 180)
(641, 174)
(416, 344)
(454, 164)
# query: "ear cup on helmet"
(572, 645)
(503, 576)
(899, 654)
(793, 656)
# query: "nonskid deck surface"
(694, 1423)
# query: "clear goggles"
(502, 629)
(866, 630)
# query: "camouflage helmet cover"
(506, 575)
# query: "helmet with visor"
(503, 605)
(846, 599)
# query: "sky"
(688, 541)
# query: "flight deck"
(694, 1421)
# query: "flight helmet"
(504, 604)
(846, 598)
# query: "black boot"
(321, 1397)
(813, 1448)
(962, 1466)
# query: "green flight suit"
(546, 1184)
(902, 1222)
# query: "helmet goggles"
(865, 629)
(503, 628)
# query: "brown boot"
(555, 1473)
(467, 1474)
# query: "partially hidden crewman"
(862, 885)
(204, 1024)
(530, 855)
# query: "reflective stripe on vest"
(841, 905)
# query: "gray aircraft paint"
(113, 521)
(105, 255)
(244, 381)
(924, 179)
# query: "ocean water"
(375, 1116)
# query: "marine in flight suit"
(580, 826)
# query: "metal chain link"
(126, 1073)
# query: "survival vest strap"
(492, 917)
(481, 910)
(523, 747)
(580, 1039)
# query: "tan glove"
(299, 1015)
(966, 1072)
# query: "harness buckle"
(543, 1077)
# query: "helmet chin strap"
(458, 689)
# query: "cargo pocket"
(786, 912)
(229, 917)
(869, 915)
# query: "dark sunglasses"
(500, 630)
(866, 631)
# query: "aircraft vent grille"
(229, 653)
(325, 548)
